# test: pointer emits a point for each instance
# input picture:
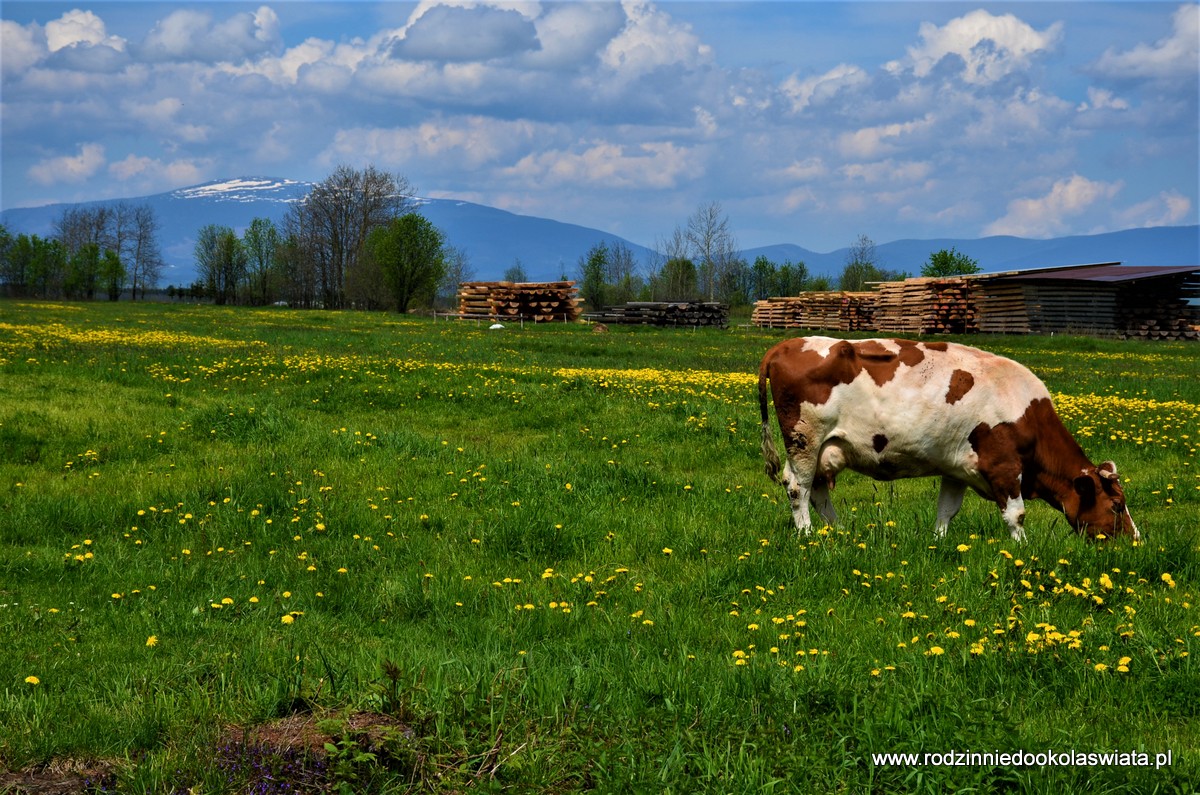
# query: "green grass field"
(545, 560)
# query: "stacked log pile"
(536, 301)
(926, 305)
(833, 311)
(1161, 309)
(664, 313)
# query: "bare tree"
(261, 241)
(336, 217)
(458, 270)
(142, 255)
(713, 248)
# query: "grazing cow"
(899, 409)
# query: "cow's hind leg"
(950, 498)
(799, 484)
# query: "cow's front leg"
(799, 490)
(1006, 491)
(950, 497)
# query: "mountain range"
(494, 240)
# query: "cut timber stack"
(664, 313)
(834, 311)
(536, 301)
(926, 305)
(1161, 309)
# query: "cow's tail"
(770, 454)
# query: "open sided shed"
(1155, 302)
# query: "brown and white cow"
(900, 409)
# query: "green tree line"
(94, 251)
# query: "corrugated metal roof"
(1108, 272)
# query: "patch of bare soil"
(287, 755)
(61, 777)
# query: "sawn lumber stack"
(536, 301)
(834, 311)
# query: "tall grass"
(553, 558)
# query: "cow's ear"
(1107, 470)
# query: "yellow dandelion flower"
(152, 640)
(1101, 667)
(288, 619)
(32, 680)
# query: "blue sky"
(809, 122)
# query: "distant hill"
(496, 239)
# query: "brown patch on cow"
(879, 441)
(960, 384)
(940, 347)
(910, 352)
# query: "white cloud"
(80, 27)
(1048, 215)
(822, 88)
(648, 165)
(477, 33)
(991, 47)
(651, 39)
(872, 142)
(69, 168)
(885, 171)
(807, 170)
(1176, 55)
(1102, 99)
(148, 173)
(1168, 208)
(187, 35)
(21, 46)
(469, 142)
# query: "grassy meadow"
(545, 560)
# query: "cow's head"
(1101, 504)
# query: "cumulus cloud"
(656, 165)
(467, 142)
(991, 47)
(1168, 208)
(80, 28)
(148, 173)
(21, 46)
(872, 142)
(1048, 215)
(69, 168)
(823, 88)
(1173, 56)
(187, 35)
(651, 39)
(479, 33)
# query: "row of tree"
(700, 261)
(356, 241)
(94, 250)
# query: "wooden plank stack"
(1001, 307)
(664, 313)
(1160, 309)
(833, 311)
(536, 301)
(926, 305)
